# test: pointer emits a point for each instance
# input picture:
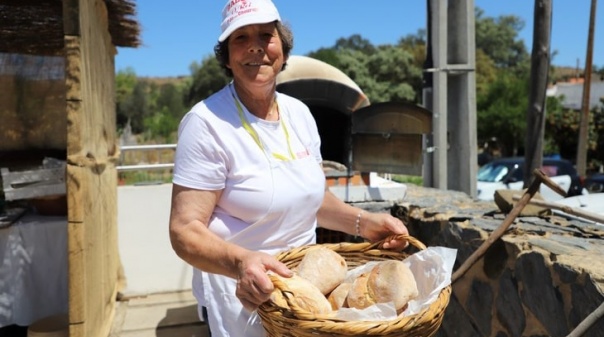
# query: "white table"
(33, 270)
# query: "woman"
(248, 182)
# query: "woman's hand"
(378, 226)
(254, 287)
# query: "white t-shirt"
(267, 204)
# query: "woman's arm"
(190, 237)
(337, 215)
(197, 245)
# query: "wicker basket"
(293, 321)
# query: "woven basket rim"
(299, 322)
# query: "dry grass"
(146, 157)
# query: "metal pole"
(439, 124)
(462, 155)
(427, 100)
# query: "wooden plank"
(71, 10)
(93, 250)
(92, 176)
(73, 69)
(34, 191)
(77, 275)
(32, 111)
(28, 184)
(400, 153)
(75, 213)
(9, 179)
(77, 329)
(75, 195)
(110, 312)
(74, 129)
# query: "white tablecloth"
(33, 273)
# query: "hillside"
(159, 81)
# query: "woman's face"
(255, 54)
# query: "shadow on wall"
(182, 321)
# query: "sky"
(176, 33)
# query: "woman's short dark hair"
(221, 49)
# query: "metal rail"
(145, 167)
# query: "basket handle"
(412, 241)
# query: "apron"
(304, 177)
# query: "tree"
(162, 124)
(384, 73)
(486, 72)
(502, 110)
(355, 42)
(394, 75)
(562, 130)
(171, 97)
(502, 65)
(135, 107)
(125, 81)
(498, 38)
(168, 109)
(207, 78)
(416, 45)
(327, 55)
(353, 63)
(599, 71)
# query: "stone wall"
(542, 278)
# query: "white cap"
(239, 13)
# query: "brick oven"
(359, 139)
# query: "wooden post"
(540, 62)
(584, 123)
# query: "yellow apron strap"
(256, 137)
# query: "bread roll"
(388, 281)
(392, 281)
(358, 295)
(337, 298)
(323, 267)
(306, 295)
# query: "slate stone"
(539, 295)
(480, 300)
(549, 268)
(504, 199)
(456, 322)
(495, 259)
(508, 305)
(566, 273)
(585, 299)
(551, 245)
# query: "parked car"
(592, 203)
(595, 183)
(508, 173)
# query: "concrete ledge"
(363, 193)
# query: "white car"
(592, 203)
(508, 173)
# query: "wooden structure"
(83, 35)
